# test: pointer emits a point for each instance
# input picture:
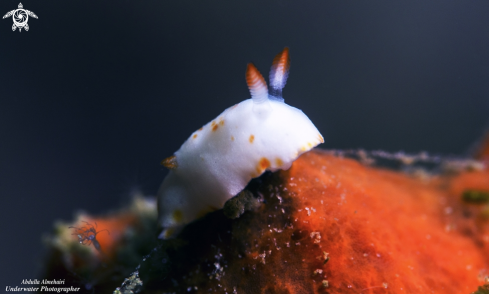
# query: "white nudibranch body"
(218, 160)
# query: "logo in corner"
(20, 17)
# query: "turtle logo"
(20, 17)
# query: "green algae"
(475, 196)
(482, 290)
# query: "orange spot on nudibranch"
(321, 139)
(177, 216)
(200, 129)
(279, 162)
(309, 144)
(170, 162)
(194, 136)
(263, 164)
(232, 138)
(252, 138)
(169, 232)
(215, 125)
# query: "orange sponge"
(333, 225)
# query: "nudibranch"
(218, 160)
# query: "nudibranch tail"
(279, 72)
(256, 84)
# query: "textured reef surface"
(330, 224)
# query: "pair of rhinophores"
(219, 159)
